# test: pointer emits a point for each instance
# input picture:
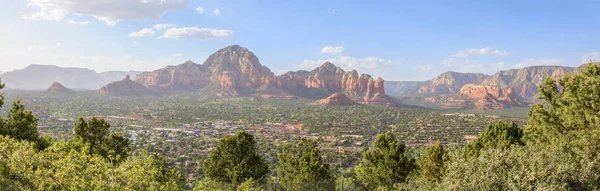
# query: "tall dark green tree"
(499, 135)
(235, 159)
(20, 124)
(571, 105)
(94, 132)
(301, 167)
(431, 164)
(386, 164)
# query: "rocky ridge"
(125, 87)
(236, 71)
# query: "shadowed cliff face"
(238, 72)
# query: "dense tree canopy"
(94, 132)
(301, 167)
(386, 164)
(20, 124)
(66, 166)
(499, 135)
(235, 159)
(432, 162)
(572, 106)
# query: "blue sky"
(397, 40)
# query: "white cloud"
(535, 62)
(334, 11)
(142, 33)
(79, 22)
(196, 33)
(199, 10)
(368, 65)
(481, 51)
(425, 67)
(176, 54)
(58, 44)
(217, 12)
(333, 50)
(109, 11)
(163, 26)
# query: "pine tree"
(94, 132)
(431, 164)
(572, 105)
(302, 168)
(499, 135)
(386, 164)
(235, 159)
(91, 132)
(20, 124)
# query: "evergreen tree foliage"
(20, 124)
(431, 164)
(572, 105)
(524, 168)
(386, 164)
(66, 166)
(499, 135)
(113, 147)
(235, 159)
(301, 167)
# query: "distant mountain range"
(39, 77)
(235, 71)
(453, 90)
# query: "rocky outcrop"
(328, 79)
(58, 88)
(336, 99)
(450, 82)
(125, 87)
(235, 71)
(113, 76)
(478, 97)
(237, 68)
(188, 76)
(525, 81)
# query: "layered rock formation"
(125, 87)
(187, 76)
(336, 99)
(490, 97)
(525, 81)
(235, 71)
(58, 89)
(451, 82)
(329, 79)
(478, 97)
